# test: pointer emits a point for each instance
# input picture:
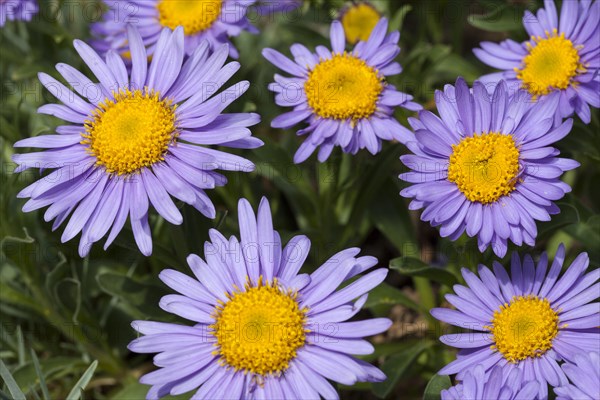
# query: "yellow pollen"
(193, 15)
(551, 64)
(343, 87)
(524, 328)
(485, 167)
(130, 132)
(359, 21)
(259, 329)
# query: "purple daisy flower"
(136, 139)
(530, 321)
(584, 373)
(495, 385)
(487, 166)
(563, 55)
(342, 96)
(17, 10)
(214, 21)
(263, 329)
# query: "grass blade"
(79, 387)
(11, 384)
(38, 370)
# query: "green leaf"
(391, 217)
(588, 233)
(10, 382)
(396, 366)
(28, 374)
(568, 215)
(77, 391)
(40, 374)
(500, 18)
(140, 298)
(136, 390)
(413, 267)
(371, 182)
(434, 387)
(385, 294)
(14, 296)
(398, 19)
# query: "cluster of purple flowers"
(140, 135)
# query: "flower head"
(359, 20)
(17, 10)
(263, 329)
(343, 96)
(562, 56)
(584, 374)
(136, 139)
(495, 385)
(529, 321)
(213, 21)
(486, 166)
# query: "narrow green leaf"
(500, 18)
(13, 388)
(20, 346)
(398, 19)
(33, 393)
(569, 215)
(413, 267)
(396, 366)
(435, 386)
(13, 296)
(140, 298)
(385, 294)
(77, 391)
(40, 374)
(391, 217)
(52, 368)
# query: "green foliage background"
(65, 321)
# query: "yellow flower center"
(259, 330)
(343, 87)
(130, 132)
(193, 15)
(524, 328)
(485, 167)
(359, 21)
(552, 63)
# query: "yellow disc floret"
(485, 167)
(258, 330)
(358, 21)
(193, 15)
(524, 328)
(551, 64)
(130, 132)
(343, 87)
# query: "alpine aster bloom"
(136, 139)
(19, 10)
(359, 20)
(563, 55)
(215, 21)
(487, 166)
(584, 374)
(530, 321)
(342, 96)
(496, 385)
(263, 329)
